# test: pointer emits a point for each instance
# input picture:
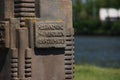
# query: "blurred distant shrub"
(115, 29)
(96, 27)
(86, 27)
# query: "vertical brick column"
(23, 44)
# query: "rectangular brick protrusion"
(14, 53)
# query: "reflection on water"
(102, 51)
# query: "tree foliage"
(86, 17)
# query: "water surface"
(103, 51)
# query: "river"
(101, 51)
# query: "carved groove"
(2, 34)
(28, 64)
(24, 9)
(14, 65)
(69, 58)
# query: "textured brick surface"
(36, 40)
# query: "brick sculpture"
(36, 40)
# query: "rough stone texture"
(50, 34)
(6, 9)
(37, 45)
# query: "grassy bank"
(86, 72)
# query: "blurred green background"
(97, 43)
(86, 17)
